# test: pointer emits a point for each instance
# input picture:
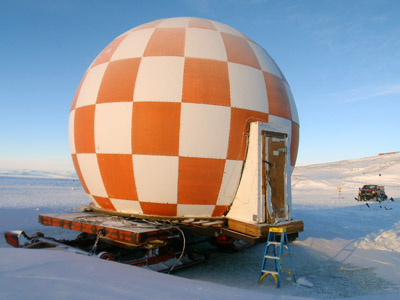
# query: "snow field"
(347, 249)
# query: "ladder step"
(271, 272)
(274, 243)
(271, 257)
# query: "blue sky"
(341, 58)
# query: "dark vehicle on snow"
(372, 192)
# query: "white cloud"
(365, 93)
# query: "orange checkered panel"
(159, 121)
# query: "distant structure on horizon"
(387, 153)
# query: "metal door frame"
(265, 186)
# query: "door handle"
(269, 164)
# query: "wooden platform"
(261, 230)
(139, 232)
(130, 232)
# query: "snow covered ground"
(347, 249)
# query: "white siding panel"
(160, 78)
(156, 178)
(247, 88)
(90, 86)
(204, 130)
(91, 174)
(113, 123)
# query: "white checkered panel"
(90, 86)
(247, 88)
(112, 128)
(159, 79)
(156, 178)
(198, 41)
(158, 124)
(204, 130)
(90, 173)
(133, 45)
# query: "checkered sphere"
(159, 121)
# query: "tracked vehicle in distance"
(372, 192)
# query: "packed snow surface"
(348, 249)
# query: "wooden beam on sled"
(261, 230)
(117, 229)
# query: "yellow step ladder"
(274, 257)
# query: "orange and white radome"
(160, 124)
